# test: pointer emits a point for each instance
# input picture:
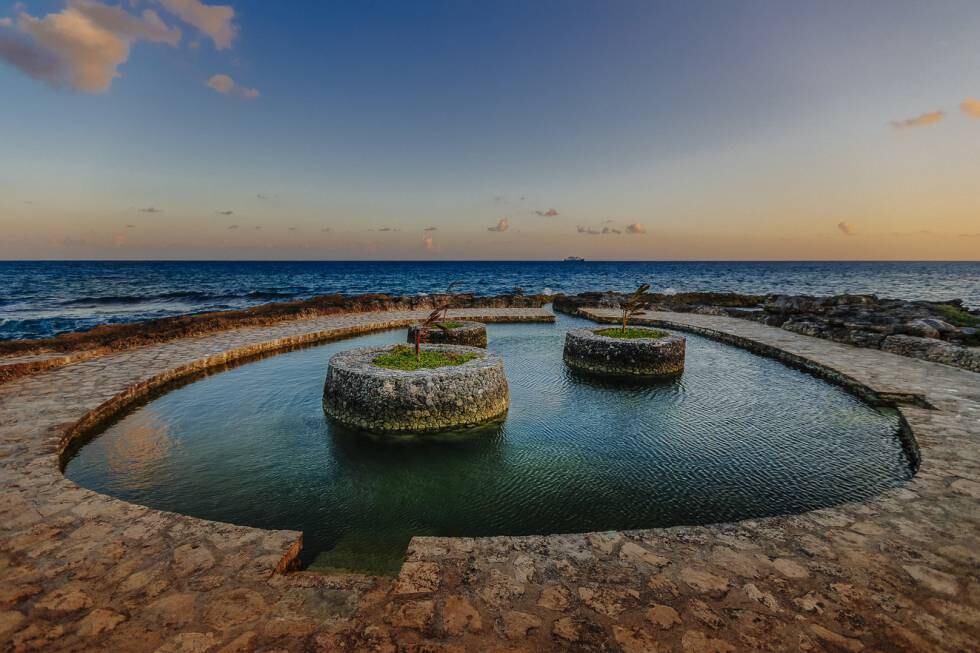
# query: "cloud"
(930, 118)
(502, 225)
(635, 228)
(266, 197)
(589, 231)
(428, 244)
(325, 230)
(233, 226)
(221, 83)
(431, 229)
(215, 21)
(293, 228)
(151, 209)
(6, 22)
(131, 226)
(226, 86)
(611, 230)
(845, 228)
(82, 46)
(386, 229)
(226, 212)
(550, 213)
(970, 107)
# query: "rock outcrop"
(942, 332)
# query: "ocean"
(44, 298)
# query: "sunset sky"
(176, 129)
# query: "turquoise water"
(736, 436)
(41, 298)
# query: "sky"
(621, 130)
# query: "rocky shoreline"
(945, 332)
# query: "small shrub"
(436, 318)
(634, 304)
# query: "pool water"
(736, 436)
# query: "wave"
(191, 296)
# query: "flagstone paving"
(81, 571)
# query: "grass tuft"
(449, 324)
(630, 334)
(957, 316)
(403, 358)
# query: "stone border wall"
(588, 352)
(363, 396)
(470, 334)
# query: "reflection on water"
(140, 447)
(735, 436)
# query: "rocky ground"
(945, 332)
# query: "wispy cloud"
(502, 225)
(325, 230)
(428, 243)
(216, 21)
(151, 209)
(923, 120)
(611, 230)
(266, 197)
(550, 213)
(81, 46)
(589, 231)
(226, 86)
(970, 107)
(131, 226)
(635, 228)
(845, 228)
(387, 229)
(431, 229)
(233, 226)
(229, 212)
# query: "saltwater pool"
(736, 436)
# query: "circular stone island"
(385, 390)
(640, 352)
(456, 332)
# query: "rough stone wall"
(471, 334)
(364, 396)
(586, 351)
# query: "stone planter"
(470, 334)
(590, 353)
(361, 395)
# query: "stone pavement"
(901, 572)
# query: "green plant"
(633, 304)
(957, 316)
(403, 358)
(436, 318)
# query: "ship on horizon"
(574, 258)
